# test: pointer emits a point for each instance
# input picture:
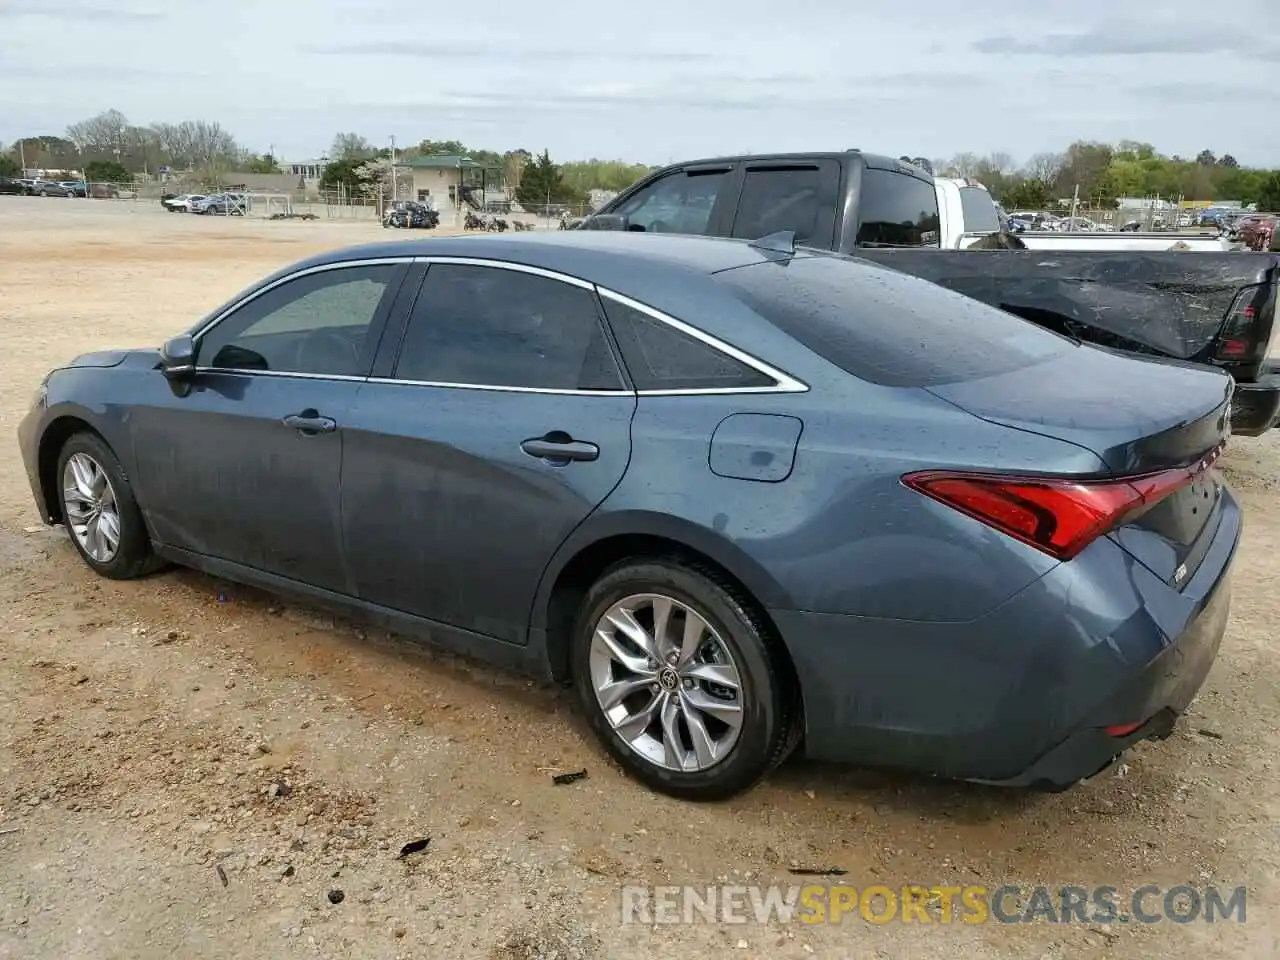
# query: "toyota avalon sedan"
(743, 497)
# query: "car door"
(245, 467)
(503, 424)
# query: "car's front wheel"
(100, 512)
(680, 680)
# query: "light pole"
(395, 191)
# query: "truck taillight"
(1241, 336)
(1271, 307)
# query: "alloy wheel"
(666, 682)
(90, 508)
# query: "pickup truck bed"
(1211, 308)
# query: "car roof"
(873, 160)
(608, 258)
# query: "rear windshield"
(886, 327)
(979, 211)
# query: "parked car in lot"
(1215, 308)
(220, 204)
(1255, 230)
(49, 188)
(198, 205)
(78, 188)
(183, 203)
(740, 497)
(8, 185)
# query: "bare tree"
(350, 145)
(1045, 167)
(210, 143)
(513, 162)
(196, 143)
(101, 137)
(1000, 162)
(964, 164)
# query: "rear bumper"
(1255, 406)
(1021, 696)
(1156, 697)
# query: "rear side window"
(889, 328)
(979, 211)
(660, 357)
(897, 210)
(793, 199)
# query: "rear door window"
(801, 199)
(897, 210)
(487, 326)
(889, 328)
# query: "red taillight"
(1122, 729)
(1056, 515)
(1239, 338)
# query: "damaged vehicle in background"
(410, 215)
(1206, 307)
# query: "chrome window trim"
(508, 265)
(238, 371)
(782, 382)
(297, 275)
(496, 388)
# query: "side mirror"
(178, 358)
(605, 221)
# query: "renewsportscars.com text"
(972, 904)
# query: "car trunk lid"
(1141, 418)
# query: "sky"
(660, 80)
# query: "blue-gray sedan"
(741, 497)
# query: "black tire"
(771, 722)
(134, 556)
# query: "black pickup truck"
(1204, 307)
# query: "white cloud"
(669, 79)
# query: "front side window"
(494, 327)
(897, 210)
(316, 324)
(678, 203)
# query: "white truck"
(968, 214)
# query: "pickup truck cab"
(1213, 308)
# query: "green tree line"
(1104, 173)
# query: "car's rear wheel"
(100, 512)
(679, 680)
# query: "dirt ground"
(188, 768)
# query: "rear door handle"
(310, 422)
(559, 446)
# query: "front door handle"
(558, 446)
(309, 422)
